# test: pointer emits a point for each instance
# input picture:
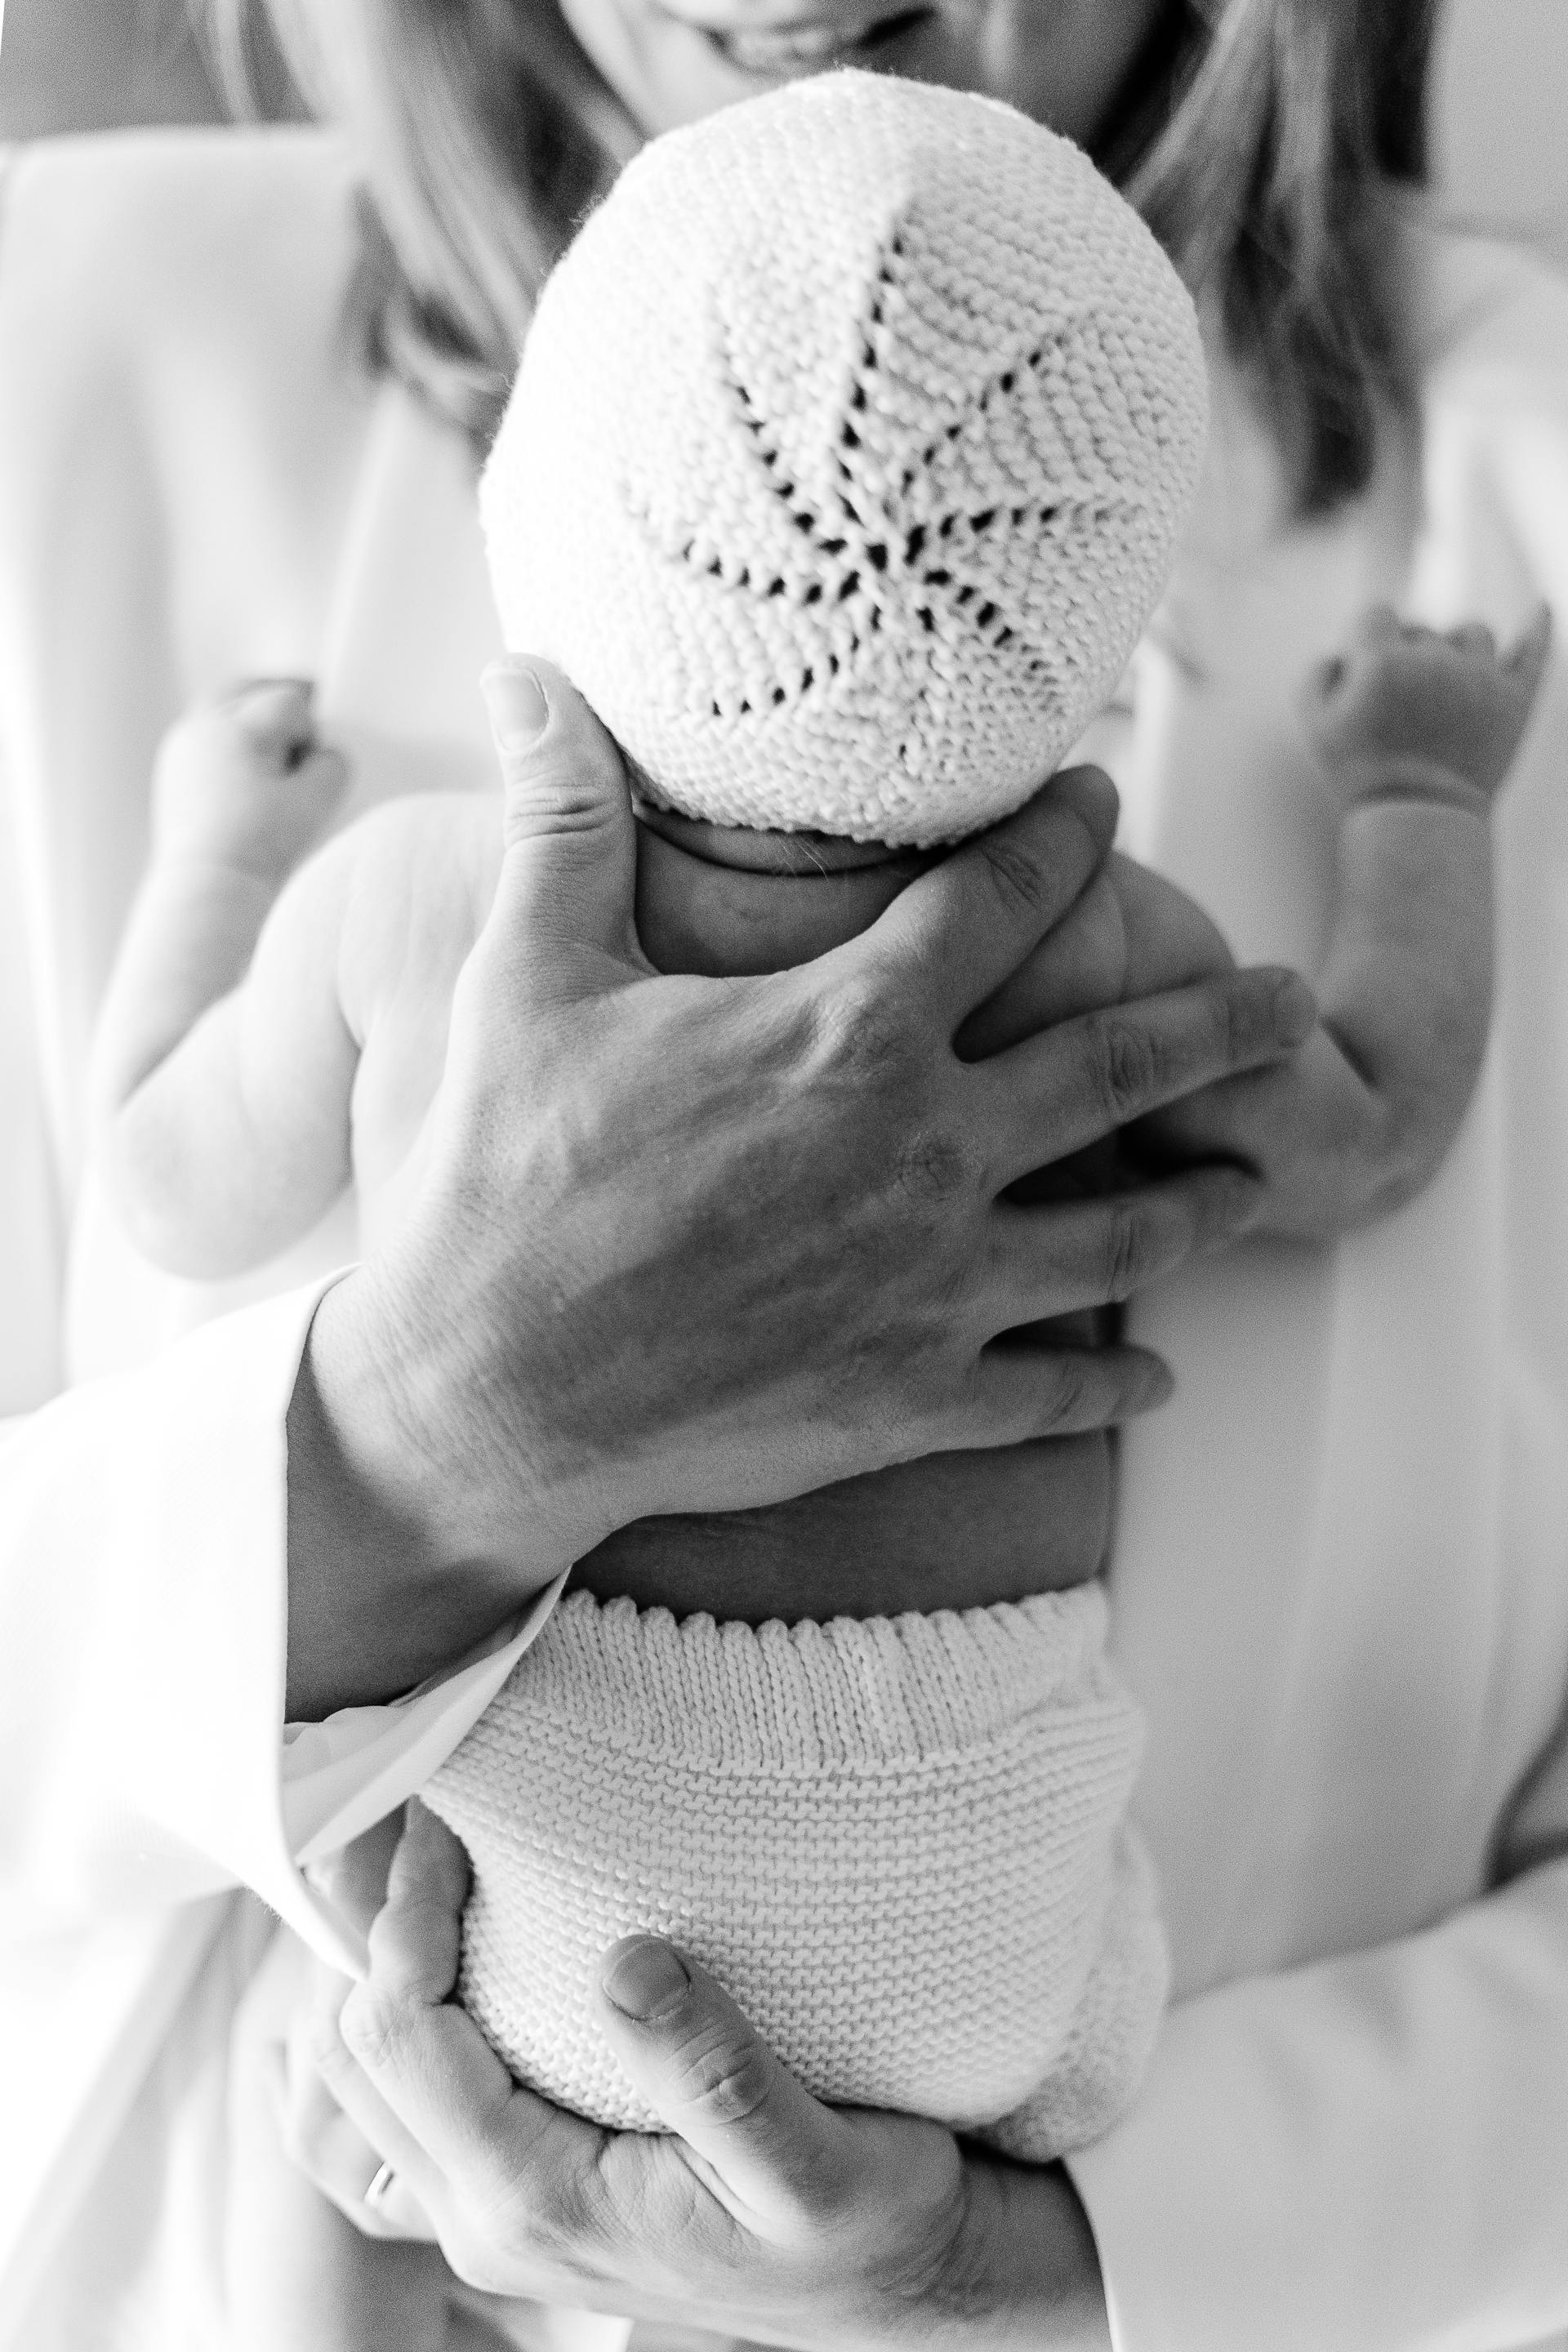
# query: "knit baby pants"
(899, 1843)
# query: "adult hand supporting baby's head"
(692, 1244)
(568, 879)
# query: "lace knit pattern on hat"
(897, 1842)
(846, 458)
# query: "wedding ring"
(381, 2181)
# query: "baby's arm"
(231, 1058)
(240, 791)
(221, 1064)
(1415, 732)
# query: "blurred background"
(1502, 92)
(92, 65)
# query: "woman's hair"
(1256, 136)
(1289, 120)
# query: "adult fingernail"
(645, 1981)
(1232, 1200)
(516, 701)
(1295, 1010)
(1093, 790)
(1156, 1384)
(276, 714)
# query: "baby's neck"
(721, 900)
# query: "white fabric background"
(1353, 2137)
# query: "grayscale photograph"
(784, 1175)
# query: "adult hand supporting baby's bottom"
(767, 2215)
(693, 1244)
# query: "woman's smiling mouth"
(809, 45)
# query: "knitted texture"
(846, 458)
(900, 1844)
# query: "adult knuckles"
(1068, 1390)
(557, 798)
(862, 1035)
(1017, 874)
(1130, 1247)
(1137, 1061)
(1123, 1066)
(375, 2027)
(936, 1166)
(1242, 1014)
(720, 2076)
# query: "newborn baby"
(846, 464)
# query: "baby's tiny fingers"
(277, 717)
(1528, 660)
(1378, 623)
(1329, 677)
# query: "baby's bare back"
(951, 1531)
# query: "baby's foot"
(1405, 699)
(246, 783)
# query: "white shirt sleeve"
(144, 1647)
(1369, 2152)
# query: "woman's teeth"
(783, 48)
(758, 50)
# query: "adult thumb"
(568, 879)
(711, 2079)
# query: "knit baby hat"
(846, 458)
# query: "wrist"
(429, 1435)
(1414, 782)
(1021, 2268)
(398, 1561)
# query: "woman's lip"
(756, 49)
(805, 40)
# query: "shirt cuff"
(344, 1774)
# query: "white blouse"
(1341, 1570)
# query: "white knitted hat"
(846, 458)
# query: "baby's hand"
(1409, 712)
(246, 783)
